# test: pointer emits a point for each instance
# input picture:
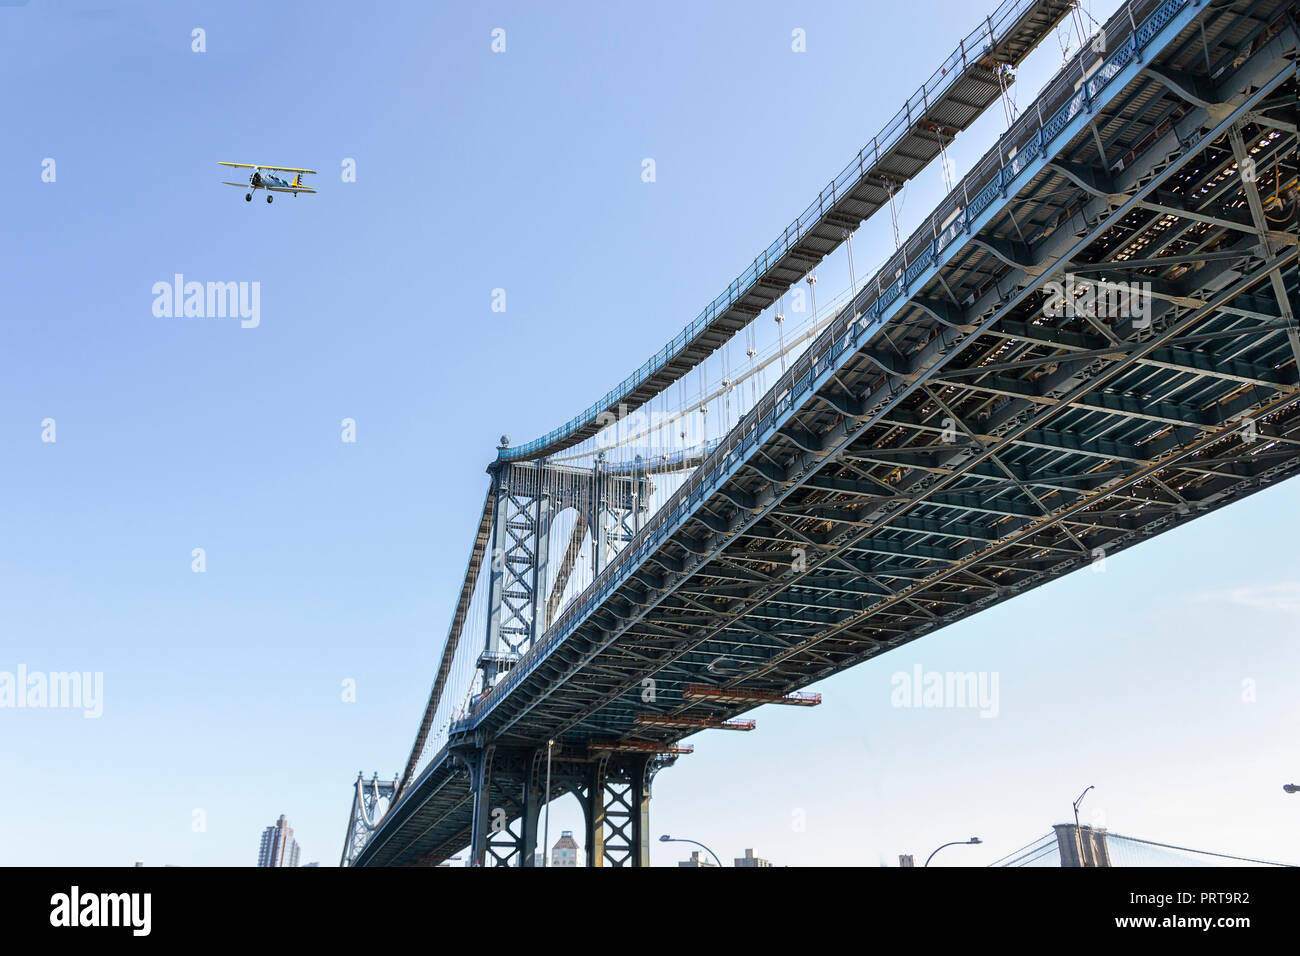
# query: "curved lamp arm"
(972, 841)
(668, 839)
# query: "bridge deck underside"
(971, 447)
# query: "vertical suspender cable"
(780, 335)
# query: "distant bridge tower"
(370, 801)
(1081, 845)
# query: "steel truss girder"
(1172, 151)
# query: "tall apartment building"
(750, 860)
(278, 848)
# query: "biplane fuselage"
(266, 179)
(263, 177)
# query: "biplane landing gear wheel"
(268, 198)
(248, 197)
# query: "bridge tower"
(524, 587)
(370, 800)
(527, 583)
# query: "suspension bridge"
(1090, 340)
(1076, 846)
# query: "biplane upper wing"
(278, 169)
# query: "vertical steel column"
(480, 776)
(597, 520)
(593, 812)
(533, 802)
(496, 571)
(536, 795)
(639, 503)
(639, 797)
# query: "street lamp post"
(1291, 787)
(546, 827)
(668, 839)
(972, 841)
(1077, 803)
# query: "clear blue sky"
(329, 561)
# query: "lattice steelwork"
(523, 591)
(620, 815)
(520, 543)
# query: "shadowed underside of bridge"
(958, 435)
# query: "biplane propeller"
(263, 177)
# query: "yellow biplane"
(263, 177)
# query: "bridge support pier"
(616, 807)
(507, 795)
(507, 801)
